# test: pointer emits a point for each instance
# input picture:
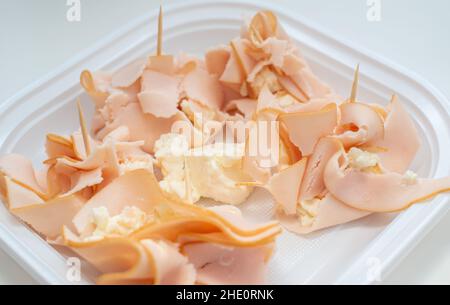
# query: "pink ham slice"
(232, 76)
(331, 212)
(121, 260)
(20, 169)
(306, 128)
(159, 95)
(293, 88)
(128, 74)
(310, 84)
(49, 218)
(313, 184)
(216, 59)
(369, 124)
(401, 139)
(82, 179)
(97, 86)
(171, 267)
(292, 63)
(266, 100)
(285, 186)
(385, 192)
(57, 146)
(204, 88)
(217, 264)
(138, 188)
(17, 195)
(245, 106)
(142, 126)
(245, 62)
(120, 134)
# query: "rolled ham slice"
(378, 192)
(312, 183)
(369, 124)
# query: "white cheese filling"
(211, 171)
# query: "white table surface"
(35, 37)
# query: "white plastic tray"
(351, 253)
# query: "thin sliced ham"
(216, 59)
(20, 170)
(17, 195)
(244, 106)
(159, 95)
(331, 212)
(285, 186)
(128, 74)
(232, 76)
(121, 260)
(50, 217)
(204, 88)
(57, 146)
(306, 128)
(138, 188)
(245, 62)
(401, 139)
(217, 264)
(96, 85)
(369, 124)
(141, 126)
(378, 192)
(82, 179)
(171, 267)
(313, 184)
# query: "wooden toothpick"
(87, 144)
(355, 85)
(160, 29)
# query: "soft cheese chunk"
(307, 211)
(210, 171)
(214, 171)
(361, 159)
(170, 151)
(129, 220)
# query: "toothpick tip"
(84, 131)
(160, 29)
(355, 85)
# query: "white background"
(35, 38)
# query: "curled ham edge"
(377, 192)
(238, 232)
